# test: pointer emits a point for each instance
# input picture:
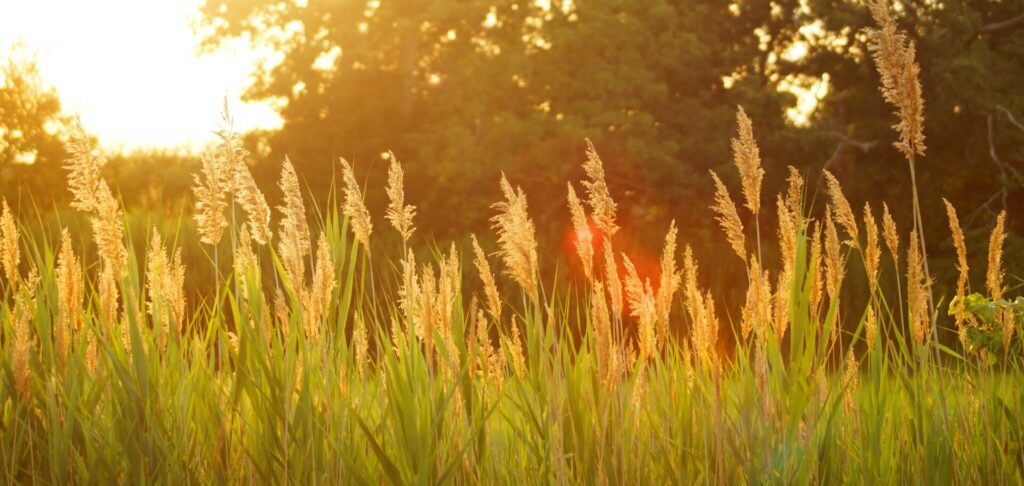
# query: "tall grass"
(303, 364)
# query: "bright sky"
(129, 68)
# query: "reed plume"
(246, 263)
(22, 315)
(870, 327)
(514, 350)
(516, 238)
(834, 268)
(728, 218)
(962, 268)
(249, 197)
(895, 60)
(70, 294)
(794, 194)
(643, 306)
(210, 190)
(917, 291)
(321, 289)
(816, 267)
(483, 267)
(700, 308)
(231, 156)
(787, 236)
(602, 329)
(747, 157)
(360, 346)
(10, 251)
(398, 213)
(994, 276)
(872, 250)
(293, 236)
(93, 195)
(667, 286)
(354, 207)
(852, 379)
(757, 310)
(165, 280)
(891, 235)
(601, 204)
(584, 237)
(843, 212)
(612, 280)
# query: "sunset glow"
(131, 69)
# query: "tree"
(31, 149)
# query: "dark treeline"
(462, 90)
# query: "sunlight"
(130, 69)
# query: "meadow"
(306, 360)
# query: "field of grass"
(305, 363)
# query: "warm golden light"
(131, 69)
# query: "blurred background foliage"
(462, 90)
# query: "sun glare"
(131, 71)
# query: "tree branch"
(1006, 24)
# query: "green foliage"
(994, 319)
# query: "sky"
(130, 69)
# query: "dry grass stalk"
(22, 315)
(643, 307)
(701, 310)
(293, 238)
(354, 207)
(400, 214)
(408, 294)
(210, 191)
(10, 251)
(516, 239)
(321, 290)
(232, 159)
(514, 350)
(788, 234)
(483, 267)
(843, 212)
(70, 294)
(165, 280)
(667, 285)
(780, 319)
(600, 200)
(895, 59)
(994, 276)
(602, 328)
(917, 291)
(852, 379)
(360, 346)
(612, 280)
(962, 268)
(892, 237)
(794, 193)
(728, 218)
(249, 197)
(584, 237)
(247, 264)
(872, 249)
(93, 195)
(870, 327)
(757, 310)
(835, 269)
(747, 157)
(816, 267)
